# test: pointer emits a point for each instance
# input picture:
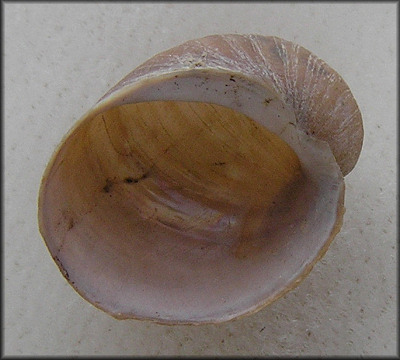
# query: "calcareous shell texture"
(205, 184)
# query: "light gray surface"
(60, 58)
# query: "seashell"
(205, 184)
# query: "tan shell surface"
(205, 184)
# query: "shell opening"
(187, 211)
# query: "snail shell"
(205, 184)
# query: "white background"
(59, 59)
